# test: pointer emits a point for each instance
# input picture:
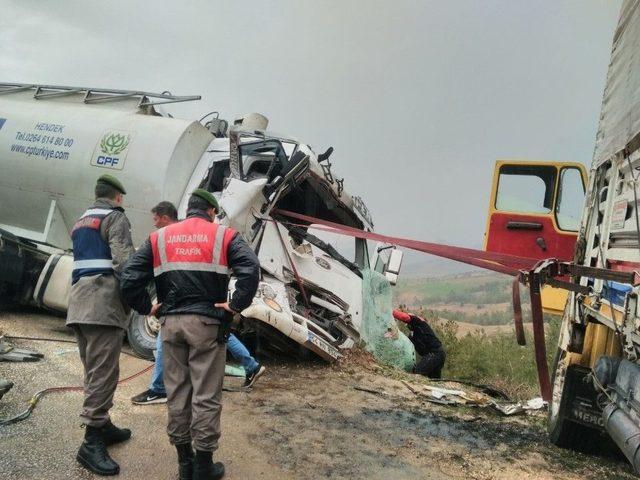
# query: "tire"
(143, 331)
(142, 334)
(563, 432)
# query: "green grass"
(496, 360)
(499, 317)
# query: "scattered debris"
(234, 371)
(446, 396)
(371, 390)
(64, 351)
(5, 386)
(304, 421)
(9, 353)
(514, 408)
(408, 385)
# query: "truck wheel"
(562, 431)
(142, 333)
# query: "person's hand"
(154, 309)
(226, 307)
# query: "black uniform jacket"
(191, 292)
(423, 337)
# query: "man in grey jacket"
(101, 245)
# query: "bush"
(499, 317)
(495, 360)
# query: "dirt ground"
(301, 421)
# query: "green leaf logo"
(114, 143)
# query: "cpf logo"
(112, 150)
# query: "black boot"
(112, 434)
(205, 469)
(185, 461)
(93, 454)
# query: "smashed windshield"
(264, 159)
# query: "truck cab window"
(262, 159)
(522, 188)
(216, 176)
(570, 199)
(344, 245)
(362, 253)
(257, 166)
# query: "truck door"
(535, 211)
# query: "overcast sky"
(418, 98)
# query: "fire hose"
(528, 271)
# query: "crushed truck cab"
(316, 293)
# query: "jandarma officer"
(191, 262)
(101, 245)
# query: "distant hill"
(472, 287)
(417, 265)
(479, 297)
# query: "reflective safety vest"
(91, 253)
(194, 244)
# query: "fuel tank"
(52, 150)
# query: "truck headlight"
(272, 304)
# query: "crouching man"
(426, 343)
(191, 262)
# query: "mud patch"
(315, 425)
(331, 442)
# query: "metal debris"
(5, 386)
(515, 408)
(9, 353)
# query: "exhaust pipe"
(620, 381)
(624, 432)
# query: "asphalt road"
(44, 446)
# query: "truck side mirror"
(392, 271)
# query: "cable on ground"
(70, 388)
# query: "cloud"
(418, 98)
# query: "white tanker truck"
(55, 142)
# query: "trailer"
(591, 258)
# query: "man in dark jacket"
(426, 343)
(191, 262)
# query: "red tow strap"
(498, 262)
